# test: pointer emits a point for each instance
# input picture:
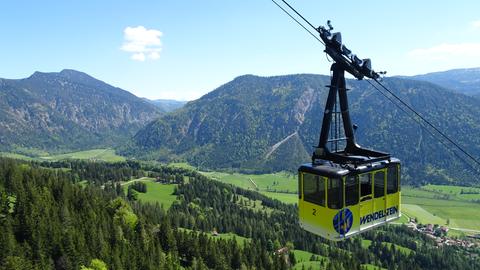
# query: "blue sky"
(191, 47)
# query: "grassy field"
(404, 250)
(255, 205)
(303, 260)
(429, 207)
(182, 165)
(283, 197)
(107, 155)
(422, 215)
(239, 239)
(274, 182)
(455, 192)
(368, 266)
(305, 256)
(156, 192)
(83, 183)
(366, 244)
(227, 236)
(16, 156)
(271, 185)
(308, 265)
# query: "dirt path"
(465, 230)
(143, 179)
(275, 146)
(255, 184)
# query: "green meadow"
(225, 236)
(156, 192)
(182, 165)
(16, 156)
(368, 266)
(366, 244)
(430, 204)
(107, 155)
(272, 182)
(303, 260)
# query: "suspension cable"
(299, 23)
(391, 93)
(424, 127)
(428, 123)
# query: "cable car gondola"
(346, 192)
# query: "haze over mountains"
(68, 110)
(466, 81)
(167, 105)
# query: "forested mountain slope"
(271, 123)
(68, 110)
(50, 221)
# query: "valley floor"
(452, 206)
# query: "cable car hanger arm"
(353, 153)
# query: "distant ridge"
(67, 110)
(167, 105)
(465, 80)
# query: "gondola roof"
(334, 170)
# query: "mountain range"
(67, 110)
(271, 123)
(466, 80)
(254, 124)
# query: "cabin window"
(392, 179)
(314, 189)
(335, 193)
(379, 184)
(351, 190)
(365, 186)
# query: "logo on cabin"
(342, 221)
(382, 214)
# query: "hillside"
(68, 110)
(268, 124)
(466, 80)
(51, 221)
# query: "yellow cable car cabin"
(337, 202)
(346, 189)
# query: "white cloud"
(476, 24)
(138, 56)
(447, 51)
(142, 43)
(154, 55)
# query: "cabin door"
(366, 200)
